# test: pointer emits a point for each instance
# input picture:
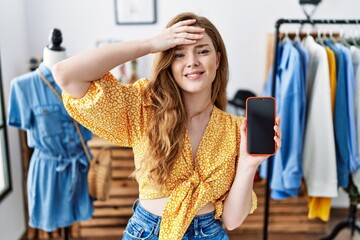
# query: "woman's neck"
(199, 110)
(50, 57)
(197, 104)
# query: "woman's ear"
(218, 54)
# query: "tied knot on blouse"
(193, 181)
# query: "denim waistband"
(198, 221)
(137, 208)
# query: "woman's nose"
(193, 61)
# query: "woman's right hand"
(181, 33)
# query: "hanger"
(331, 38)
(286, 36)
(319, 38)
(308, 32)
(341, 39)
(351, 39)
(357, 38)
(297, 35)
(314, 4)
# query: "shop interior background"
(244, 25)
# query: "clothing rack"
(352, 216)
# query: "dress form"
(57, 193)
(54, 53)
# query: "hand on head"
(181, 33)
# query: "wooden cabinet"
(111, 216)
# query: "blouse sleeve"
(111, 110)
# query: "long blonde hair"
(168, 124)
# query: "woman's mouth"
(194, 75)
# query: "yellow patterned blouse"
(120, 114)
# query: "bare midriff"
(156, 206)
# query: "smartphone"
(260, 115)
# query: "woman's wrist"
(148, 45)
(246, 167)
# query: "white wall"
(243, 24)
(25, 28)
(14, 57)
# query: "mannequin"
(54, 53)
(57, 186)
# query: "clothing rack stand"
(350, 222)
(270, 160)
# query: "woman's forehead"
(205, 41)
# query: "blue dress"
(57, 185)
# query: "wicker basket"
(99, 175)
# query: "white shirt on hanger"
(355, 56)
(319, 161)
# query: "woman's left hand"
(251, 159)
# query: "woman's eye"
(178, 55)
(205, 51)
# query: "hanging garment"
(332, 73)
(285, 180)
(341, 119)
(319, 161)
(357, 102)
(320, 207)
(305, 59)
(354, 161)
(57, 187)
(355, 56)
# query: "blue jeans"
(144, 225)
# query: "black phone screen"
(260, 114)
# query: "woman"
(191, 166)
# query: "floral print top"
(120, 114)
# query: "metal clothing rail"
(274, 72)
